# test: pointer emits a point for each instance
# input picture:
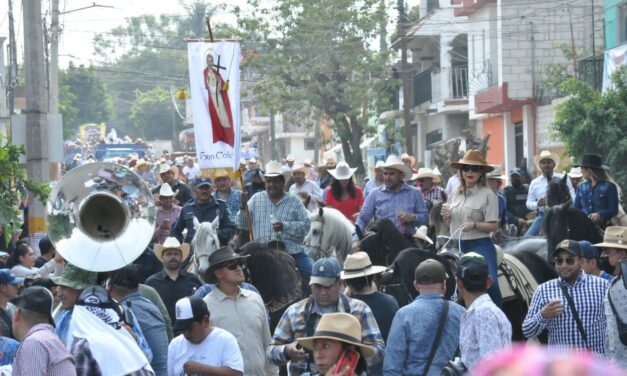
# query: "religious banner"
(214, 86)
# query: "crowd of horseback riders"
(300, 271)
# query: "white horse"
(204, 243)
(330, 233)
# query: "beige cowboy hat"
(166, 191)
(300, 168)
(308, 163)
(290, 158)
(165, 167)
(410, 158)
(426, 172)
(171, 243)
(342, 171)
(329, 162)
(141, 162)
(472, 158)
(496, 173)
(358, 264)
(615, 237)
(273, 168)
(379, 165)
(575, 173)
(394, 162)
(421, 233)
(338, 326)
(546, 154)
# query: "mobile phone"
(349, 358)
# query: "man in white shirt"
(191, 170)
(201, 349)
(546, 162)
(308, 191)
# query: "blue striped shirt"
(233, 202)
(289, 210)
(588, 293)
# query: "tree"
(152, 113)
(83, 98)
(318, 54)
(593, 122)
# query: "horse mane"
(541, 270)
(337, 231)
(271, 273)
(557, 191)
(556, 220)
(391, 236)
(405, 265)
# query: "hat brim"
(601, 167)
(324, 281)
(159, 249)
(17, 281)
(181, 325)
(62, 281)
(366, 351)
(569, 251)
(425, 238)
(221, 263)
(436, 178)
(402, 168)
(373, 269)
(342, 177)
(554, 157)
(465, 162)
(610, 245)
(174, 171)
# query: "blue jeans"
(304, 266)
(485, 248)
(536, 226)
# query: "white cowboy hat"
(252, 160)
(379, 165)
(426, 172)
(166, 190)
(575, 173)
(171, 243)
(273, 168)
(342, 171)
(289, 158)
(358, 264)
(394, 162)
(338, 326)
(410, 158)
(165, 167)
(436, 171)
(300, 168)
(496, 173)
(421, 233)
(546, 154)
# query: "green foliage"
(83, 98)
(13, 183)
(320, 55)
(152, 113)
(591, 122)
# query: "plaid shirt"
(293, 325)
(588, 293)
(435, 193)
(233, 202)
(289, 210)
(42, 353)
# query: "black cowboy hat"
(591, 160)
(221, 256)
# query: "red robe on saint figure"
(221, 132)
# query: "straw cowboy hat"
(171, 243)
(496, 173)
(141, 162)
(546, 154)
(396, 163)
(358, 265)
(329, 162)
(165, 167)
(379, 165)
(338, 326)
(615, 237)
(575, 173)
(308, 163)
(421, 233)
(410, 158)
(342, 171)
(300, 168)
(273, 168)
(472, 158)
(426, 172)
(290, 158)
(166, 191)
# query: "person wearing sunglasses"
(473, 213)
(239, 311)
(570, 307)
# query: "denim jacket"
(602, 199)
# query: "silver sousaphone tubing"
(100, 216)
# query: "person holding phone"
(337, 347)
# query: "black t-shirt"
(383, 308)
(40, 262)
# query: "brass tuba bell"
(100, 216)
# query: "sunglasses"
(471, 168)
(234, 265)
(560, 261)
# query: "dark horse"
(384, 242)
(274, 274)
(562, 221)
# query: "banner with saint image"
(215, 89)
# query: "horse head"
(557, 191)
(204, 243)
(330, 231)
(313, 238)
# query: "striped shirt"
(233, 202)
(435, 193)
(289, 210)
(42, 353)
(588, 293)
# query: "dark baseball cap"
(570, 246)
(429, 272)
(325, 272)
(127, 277)
(37, 299)
(203, 181)
(8, 278)
(588, 251)
(473, 271)
(188, 310)
(516, 171)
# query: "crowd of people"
(154, 317)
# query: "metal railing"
(458, 82)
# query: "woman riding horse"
(598, 195)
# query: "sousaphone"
(100, 216)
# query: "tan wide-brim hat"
(329, 163)
(342, 171)
(615, 237)
(421, 233)
(472, 158)
(358, 264)
(338, 326)
(396, 163)
(300, 168)
(546, 154)
(165, 167)
(426, 172)
(171, 243)
(409, 158)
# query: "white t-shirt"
(219, 349)
(191, 173)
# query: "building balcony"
(455, 87)
(468, 7)
(496, 99)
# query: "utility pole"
(12, 82)
(53, 99)
(594, 53)
(37, 160)
(273, 152)
(405, 77)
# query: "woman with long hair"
(343, 194)
(598, 195)
(473, 213)
(22, 263)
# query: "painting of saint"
(218, 103)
